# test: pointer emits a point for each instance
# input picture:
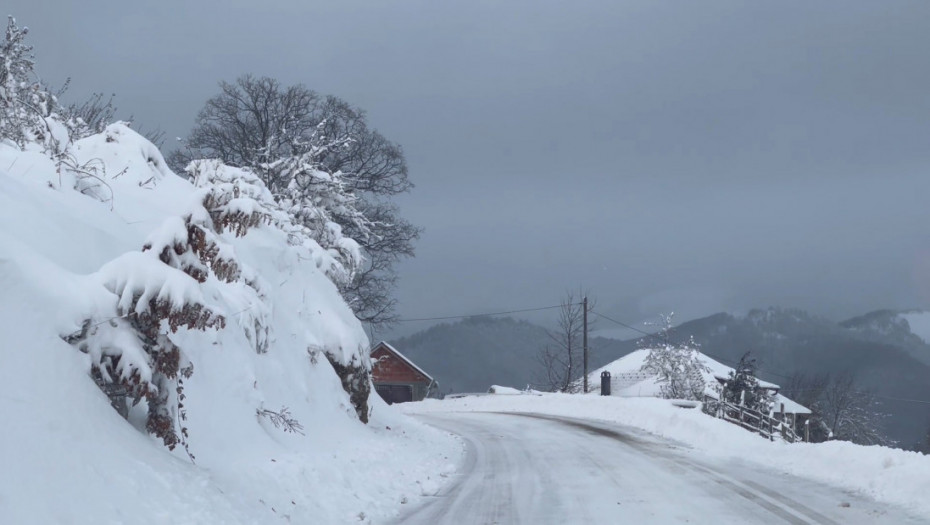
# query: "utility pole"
(585, 343)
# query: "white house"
(628, 380)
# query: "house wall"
(388, 369)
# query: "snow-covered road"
(531, 468)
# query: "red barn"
(396, 378)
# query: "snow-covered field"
(66, 456)
(884, 474)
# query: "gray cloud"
(667, 156)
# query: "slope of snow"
(68, 457)
(889, 475)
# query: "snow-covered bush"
(238, 199)
(132, 357)
(27, 109)
(742, 387)
(677, 366)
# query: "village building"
(627, 379)
(397, 379)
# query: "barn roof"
(403, 358)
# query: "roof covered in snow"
(403, 358)
(637, 383)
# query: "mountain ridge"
(473, 354)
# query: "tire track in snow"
(778, 504)
(539, 469)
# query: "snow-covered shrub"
(742, 387)
(237, 199)
(131, 354)
(677, 366)
(27, 109)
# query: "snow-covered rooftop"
(404, 359)
(642, 384)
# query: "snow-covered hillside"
(73, 267)
(909, 329)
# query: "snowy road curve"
(529, 468)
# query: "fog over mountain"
(879, 348)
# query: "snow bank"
(890, 475)
(70, 252)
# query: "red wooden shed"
(397, 379)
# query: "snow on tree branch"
(678, 366)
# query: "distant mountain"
(908, 329)
(879, 350)
(885, 349)
(477, 352)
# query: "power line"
(624, 324)
(484, 313)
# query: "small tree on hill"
(561, 359)
(853, 414)
(808, 390)
(24, 102)
(677, 366)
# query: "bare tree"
(562, 359)
(256, 120)
(808, 390)
(853, 414)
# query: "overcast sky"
(686, 156)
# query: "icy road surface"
(539, 469)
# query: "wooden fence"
(765, 425)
